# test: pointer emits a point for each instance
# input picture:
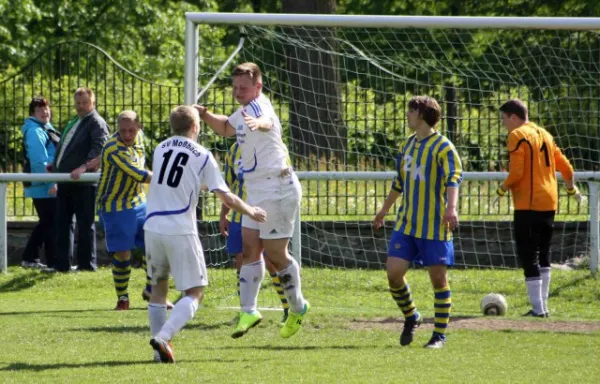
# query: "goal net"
(342, 94)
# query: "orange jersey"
(534, 160)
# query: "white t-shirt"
(261, 152)
(181, 167)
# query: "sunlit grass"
(63, 329)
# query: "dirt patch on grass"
(483, 323)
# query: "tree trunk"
(318, 131)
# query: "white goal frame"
(194, 19)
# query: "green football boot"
(246, 322)
(294, 322)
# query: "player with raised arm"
(270, 183)
(534, 159)
(428, 176)
(232, 229)
(183, 167)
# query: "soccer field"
(62, 328)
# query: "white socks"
(184, 311)
(251, 276)
(290, 282)
(546, 277)
(157, 314)
(534, 290)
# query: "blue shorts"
(421, 251)
(234, 239)
(124, 230)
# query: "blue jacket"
(40, 151)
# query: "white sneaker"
(32, 264)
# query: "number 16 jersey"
(181, 167)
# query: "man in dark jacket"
(81, 144)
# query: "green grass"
(61, 328)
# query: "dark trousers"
(533, 233)
(77, 200)
(43, 232)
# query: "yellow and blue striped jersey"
(425, 168)
(123, 173)
(233, 160)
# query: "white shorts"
(180, 255)
(280, 198)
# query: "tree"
(146, 36)
(316, 122)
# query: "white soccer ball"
(494, 304)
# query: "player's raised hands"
(379, 219)
(250, 121)
(257, 214)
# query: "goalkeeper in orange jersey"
(233, 229)
(534, 160)
(429, 174)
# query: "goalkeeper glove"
(501, 193)
(575, 193)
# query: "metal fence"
(55, 74)
(373, 132)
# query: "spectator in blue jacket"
(40, 146)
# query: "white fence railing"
(591, 178)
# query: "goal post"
(341, 84)
(193, 19)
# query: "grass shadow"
(300, 347)
(145, 328)
(45, 367)
(58, 311)
(24, 281)
(14, 367)
(555, 291)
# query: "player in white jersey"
(183, 167)
(270, 184)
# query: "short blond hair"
(182, 119)
(85, 91)
(248, 69)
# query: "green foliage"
(556, 72)
(146, 36)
